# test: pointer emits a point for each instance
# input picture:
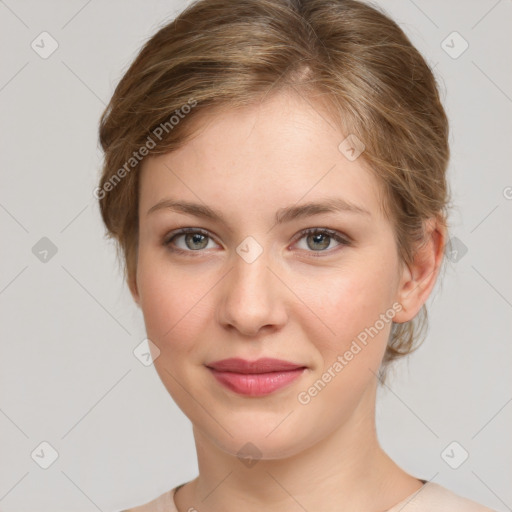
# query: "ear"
(418, 278)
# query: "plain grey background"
(68, 374)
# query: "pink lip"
(255, 378)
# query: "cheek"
(173, 303)
(347, 305)
(350, 339)
(175, 309)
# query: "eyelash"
(310, 231)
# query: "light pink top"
(431, 497)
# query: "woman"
(275, 177)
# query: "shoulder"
(163, 503)
(433, 496)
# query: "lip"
(255, 378)
(263, 365)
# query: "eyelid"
(337, 235)
(183, 231)
(341, 238)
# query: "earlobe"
(419, 277)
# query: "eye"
(317, 238)
(194, 240)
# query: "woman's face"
(249, 287)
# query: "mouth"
(255, 378)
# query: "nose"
(252, 297)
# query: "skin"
(286, 304)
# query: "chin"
(265, 438)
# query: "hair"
(218, 55)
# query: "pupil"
(319, 236)
(196, 238)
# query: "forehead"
(268, 155)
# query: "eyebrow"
(283, 215)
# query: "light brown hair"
(225, 54)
